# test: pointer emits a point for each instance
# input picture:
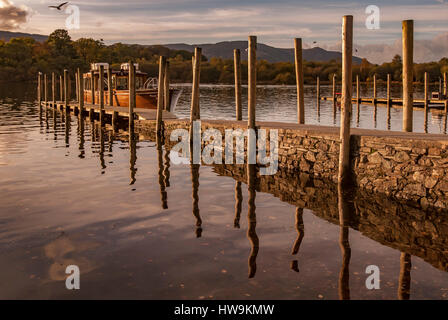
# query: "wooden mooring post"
(110, 90)
(318, 95)
(81, 93)
(101, 93)
(237, 73)
(299, 80)
(195, 113)
(358, 98)
(374, 89)
(66, 97)
(408, 61)
(426, 92)
(39, 89)
(53, 88)
(334, 93)
(166, 87)
(160, 96)
(61, 88)
(45, 89)
(92, 85)
(388, 97)
(252, 80)
(76, 86)
(132, 98)
(445, 89)
(346, 99)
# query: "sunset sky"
(275, 23)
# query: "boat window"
(122, 83)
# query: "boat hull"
(145, 99)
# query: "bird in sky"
(314, 42)
(59, 6)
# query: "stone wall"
(404, 166)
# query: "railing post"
(61, 88)
(334, 93)
(346, 99)
(408, 61)
(39, 89)
(318, 95)
(252, 80)
(160, 95)
(53, 88)
(299, 80)
(237, 73)
(374, 89)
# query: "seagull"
(59, 6)
(314, 41)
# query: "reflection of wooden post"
(252, 220)
(109, 87)
(163, 193)
(132, 156)
(92, 84)
(404, 281)
(238, 204)
(346, 102)
(299, 80)
(195, 196)
(408, 64)
(237, 72)
(66, 97)
(318, 95)
(132, 100)
(344, 216)
(101, 92)
(166, 86)
(300, 228)
(195, 109)
(252, 80)
(160, 95)
(53, 89)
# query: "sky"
(274, 22)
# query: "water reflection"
(300, 227)
(195, 196)
(344, 222)
(404, 282)
(132, 156)
(238, 204)
(252, 219)
(162, 178)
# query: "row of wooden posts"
(346, 94)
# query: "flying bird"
(314, 41)
(59, 6)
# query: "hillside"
(7, 35)
(271, 54)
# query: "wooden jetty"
(122, 112)
(418, 103)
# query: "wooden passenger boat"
(146, 88)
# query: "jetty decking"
(140, 113)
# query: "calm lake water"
(137, 227)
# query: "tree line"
(22, 58)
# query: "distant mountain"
(7, 35)
(225, 50)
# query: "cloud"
(11, 16)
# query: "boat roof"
(115, 72)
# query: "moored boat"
(146, 88)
